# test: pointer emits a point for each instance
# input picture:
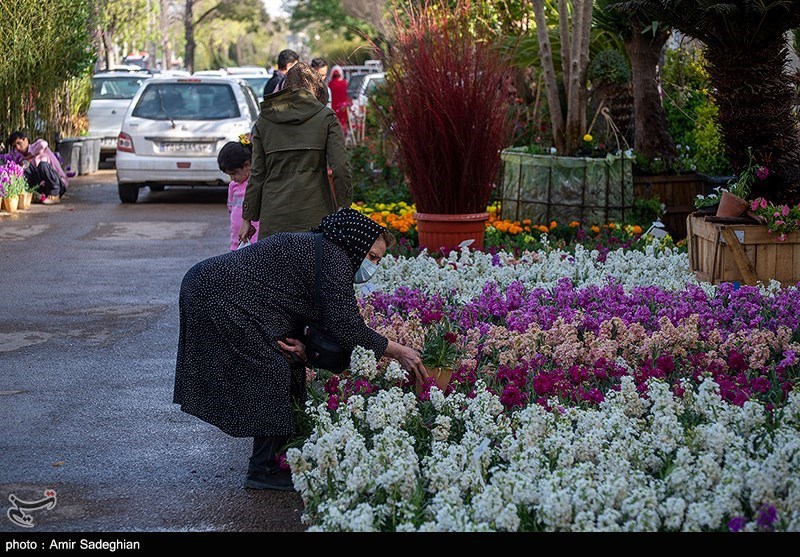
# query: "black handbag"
(322, 349)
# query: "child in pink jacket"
(234, 160)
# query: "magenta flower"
(333, 402)
(762, 172)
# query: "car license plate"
(184, 147)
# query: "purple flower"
(762, 172)
(736, 524)
(766, 517)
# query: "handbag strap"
(333, 191)
(317, 267)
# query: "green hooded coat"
(295, 140)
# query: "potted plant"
(448, 117)
(440, 352)
(12, 182)
(733, 200)
(779, 219)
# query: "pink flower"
(785, 210)
(762, 172)
(782, 238)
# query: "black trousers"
(265, 448)
(46, 178)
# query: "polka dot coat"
(229, 371)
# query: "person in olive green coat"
(295, 140)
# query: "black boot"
(264, 472)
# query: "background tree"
(46, 61)
(123, 21)
(644, 39)
(746, 47)
(574, 24)
(198, 12)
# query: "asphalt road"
(88, 337)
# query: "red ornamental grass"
(449, 108)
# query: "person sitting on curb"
(42, 168)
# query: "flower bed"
(591, 393)
(511, 235)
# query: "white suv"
(111, 94)
(174, 129)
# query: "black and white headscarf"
(351, 230)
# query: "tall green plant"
(574, 30)
(692, 114)
(747, 49)
(44, 45)
(643, 39)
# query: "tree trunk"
(108, 46)
(188, 26)
(651, 129)
(579, 58)
(550, 80)
(754, 96)
(163, 24)
(566, 43)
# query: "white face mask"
(365, 271)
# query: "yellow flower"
(244, 139)
(587, 138)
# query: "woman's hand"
(293, 349)
(409, 359)
(246, 231)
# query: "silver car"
(111, 95)
(174, 129)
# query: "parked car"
(257, 82)
(367, 87)
(249, 70)
(217, 73)
(112, 92)
(360, 100)
(174, 128)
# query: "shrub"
(448, 108)
(609, 66)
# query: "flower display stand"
(722, 250)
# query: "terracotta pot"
(11, 204)
(731, 205)
(448, 231)
(440, 375)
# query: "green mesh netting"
(545, 188)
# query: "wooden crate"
(743, 253)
